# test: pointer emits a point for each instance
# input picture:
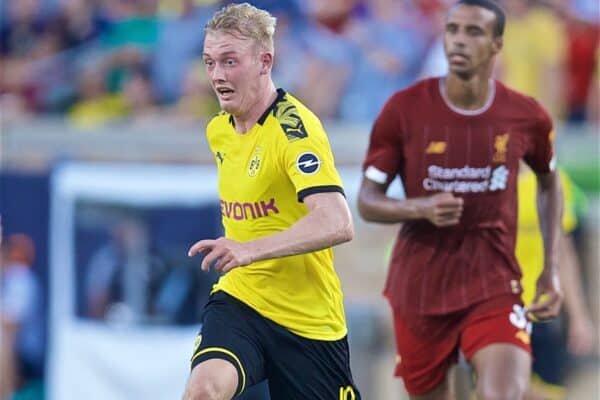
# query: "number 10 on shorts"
(347, 393)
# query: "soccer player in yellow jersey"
(276, 313)
(549, 342)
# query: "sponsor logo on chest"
(469, 179)
(248, 210)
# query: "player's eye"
(474, 31)
(208, 63)
(451, 28)
(230, 62)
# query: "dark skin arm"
(581, 330)
(548, 298)
(441, 209)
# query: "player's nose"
(217, 74)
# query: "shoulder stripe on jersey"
(280, 95)
(289, 119)
(319, 189)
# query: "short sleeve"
(309, 163)
(540, 154)
(384, 155)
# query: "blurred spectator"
(19, 38)
(139, 97)
(198, 102)
(593, 104)
(582, 45)
(116, 275)
(288, 73)
(533, 56)
(22, 28)
(384, 64)
(328, 55)
(131, 37)
(180, 39)
(80, 22)
(16, 95)
(96, 106)
(434, 61)
(21, 335)
(342, 57)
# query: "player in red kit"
(453, 281)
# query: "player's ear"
(497, 44)
(266, 60)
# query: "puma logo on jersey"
(290, 121)
(436, 148)
(220, 157)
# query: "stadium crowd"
(138, 62)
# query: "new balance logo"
(436, 148)
(220, 157)
(499, 178)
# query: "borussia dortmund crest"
(255, 162)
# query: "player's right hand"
(223, 253)
(548, 297)
(441, 209)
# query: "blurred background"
(106, 177)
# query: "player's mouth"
(224, 93)
(457, 58)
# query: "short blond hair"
(246, 21)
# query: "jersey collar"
(486, 106)
(280, 95)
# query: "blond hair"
(246, 21)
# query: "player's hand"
(580, 339)
(225, 253)
(548, 297)
(442, 209)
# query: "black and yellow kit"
(292, 306)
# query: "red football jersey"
(435, 147)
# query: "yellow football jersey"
(264, 175)
(530, 245)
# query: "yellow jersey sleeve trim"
(230, 354)
(319, 189)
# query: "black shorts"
(549, 350)
(296, 367)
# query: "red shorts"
(428, 345)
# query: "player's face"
(469, 40)
(234, 68)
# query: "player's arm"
(442, 209)
(580, 339)
(327, 223)
(548, 299)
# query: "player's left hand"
(225, 253)
(548, 297)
